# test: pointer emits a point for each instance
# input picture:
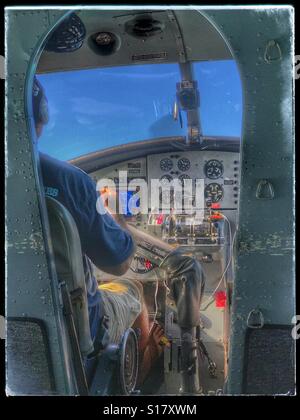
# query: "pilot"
(106, 243)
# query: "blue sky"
(94, 109)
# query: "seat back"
(69, 267)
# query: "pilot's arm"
(107, 243)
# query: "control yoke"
(187, 286)
(186, 282)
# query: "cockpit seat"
(69, 268)
(99, 366)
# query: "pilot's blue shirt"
(102, 240)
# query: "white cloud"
(83, 120)
(92, 107)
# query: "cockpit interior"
(149, 102)
(120, 40)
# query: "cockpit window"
(221, 105)
(94, 109)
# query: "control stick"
(187, 286)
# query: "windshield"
(91, 110)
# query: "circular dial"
(214, 191)
(184, 164)
(213, 169)
(182, 177)
(166, 178)
(166, 164)
(141, 265)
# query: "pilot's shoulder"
(49, 163)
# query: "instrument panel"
(205, 238)
(220, 171)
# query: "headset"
(40, 103)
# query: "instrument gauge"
(182, 177)
(166, 164)
(165, 179)
(183, 164)
(213, 169)
(214, 191)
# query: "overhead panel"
(140, 37)
(202, 40)
(159, 47)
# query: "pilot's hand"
(110, 196)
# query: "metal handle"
(255, 319)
